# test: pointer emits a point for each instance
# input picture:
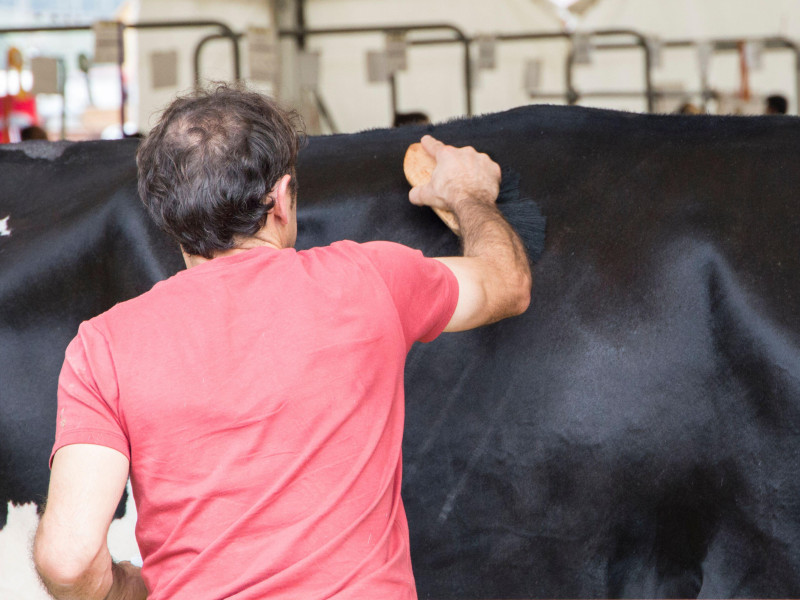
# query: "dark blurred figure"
(410, 118)
(687, 108)
(32, 132)
(776, 105)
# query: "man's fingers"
(455, 173)
(431, 144)
(415, 195)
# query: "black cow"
(635, 433)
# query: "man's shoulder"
(377, 256)
(371, 249)
(357, 251)
(137, 307)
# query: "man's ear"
(283, 198)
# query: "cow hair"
(208, 166)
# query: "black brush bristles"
(523, 214)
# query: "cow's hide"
(635, 433)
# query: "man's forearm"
(485, 234)
(494, 276)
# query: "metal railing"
(570, 95)
(460, 38)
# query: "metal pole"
(62, 83)
(324, 112)
(648, 71)
(123, 91)
(393, 95)
(50, 28)
(467, 75)
(300, 20)
(797, 80)
(210, 38)
(572, 94)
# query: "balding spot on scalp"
(213, 130)
(197, 134)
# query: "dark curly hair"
(206, 168)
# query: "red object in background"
(16, 113)
(744, 73)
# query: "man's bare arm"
(70, 550)
(494, 276)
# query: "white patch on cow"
(18, 579)
(121, 535)
(4, 228)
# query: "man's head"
(32, 132)
(776, 105)
(207, 168)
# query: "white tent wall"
(434, 80)
(145, 102)
(680, 69)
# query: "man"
(256, 399)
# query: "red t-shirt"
(259, 398)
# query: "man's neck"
(192, 260)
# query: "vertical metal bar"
(300, 18)
(467, 75)
(123, 92)
(704, 82)
(62, 84)
(196, 58)
(796, 79)
(324, 112)
(572, 95)
(648, 73)
(237, 66)
(393, 95)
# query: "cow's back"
(634, 433)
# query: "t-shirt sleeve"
(88, 396)
(425, 291)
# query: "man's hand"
(494, 277)
(128, 583)
(460, 174)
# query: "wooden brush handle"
(418, 166)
